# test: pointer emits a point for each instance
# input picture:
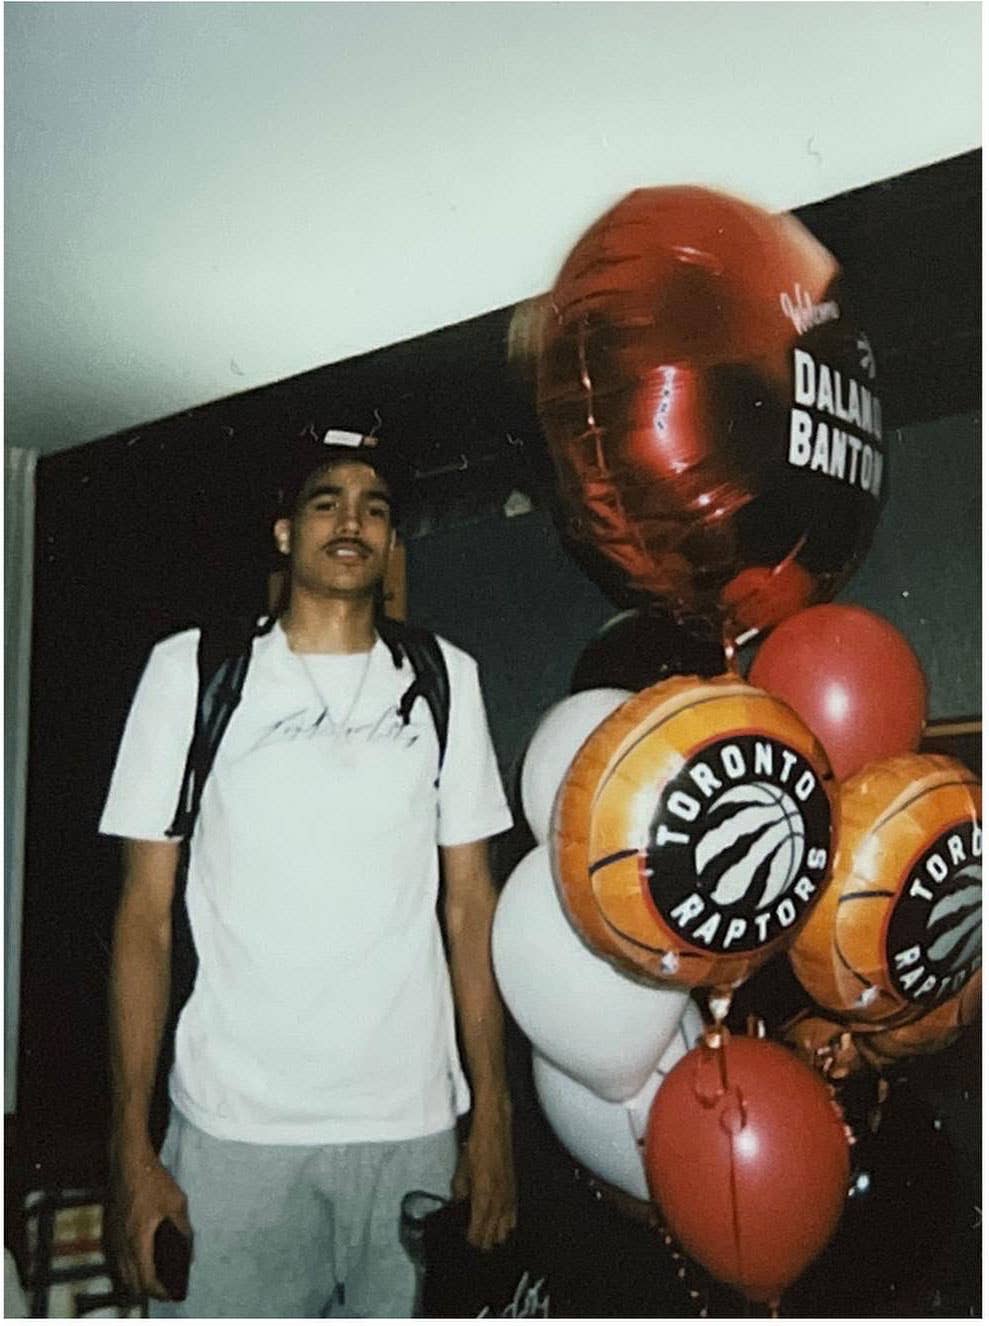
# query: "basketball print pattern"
(753, 843)
(693, 831)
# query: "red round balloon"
(711, 407)
(747, 1156)
(853, 679)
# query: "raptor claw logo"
(767, 821)
(934, 940)
(739, 843)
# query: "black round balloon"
(643, 646)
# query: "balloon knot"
(714, 1037)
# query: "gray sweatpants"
(300, 1231)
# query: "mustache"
(347, 543)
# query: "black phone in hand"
(173, 1253)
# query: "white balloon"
(687, 1035)
(601, 1134)
(597, 1133)
(600, 1027)
(562, 731)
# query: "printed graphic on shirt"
(313, 723)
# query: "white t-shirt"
(322, 1010)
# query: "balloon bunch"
(692, 835)
(683, 833)
(686, 833)
(712, 411)
(891, 952)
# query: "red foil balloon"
(711, 407)
(747, 1156)
(853, 679)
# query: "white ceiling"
(203, 198)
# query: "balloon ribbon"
(733, 1119)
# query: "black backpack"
(223, 657)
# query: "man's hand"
(485, 1172)
(486, 1175)
(143, 1193)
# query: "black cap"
(313, 451)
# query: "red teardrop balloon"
(747, 1156)
(711, 407)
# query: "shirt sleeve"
(147, 776)
(472, 802)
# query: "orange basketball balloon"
(933, 1032)
(693, 831)
(898, 929)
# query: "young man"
(316, 1076)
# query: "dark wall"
(923, 571)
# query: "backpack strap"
(222, 659)
(432, 680)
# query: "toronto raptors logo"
(934, 939)
(739, 844)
